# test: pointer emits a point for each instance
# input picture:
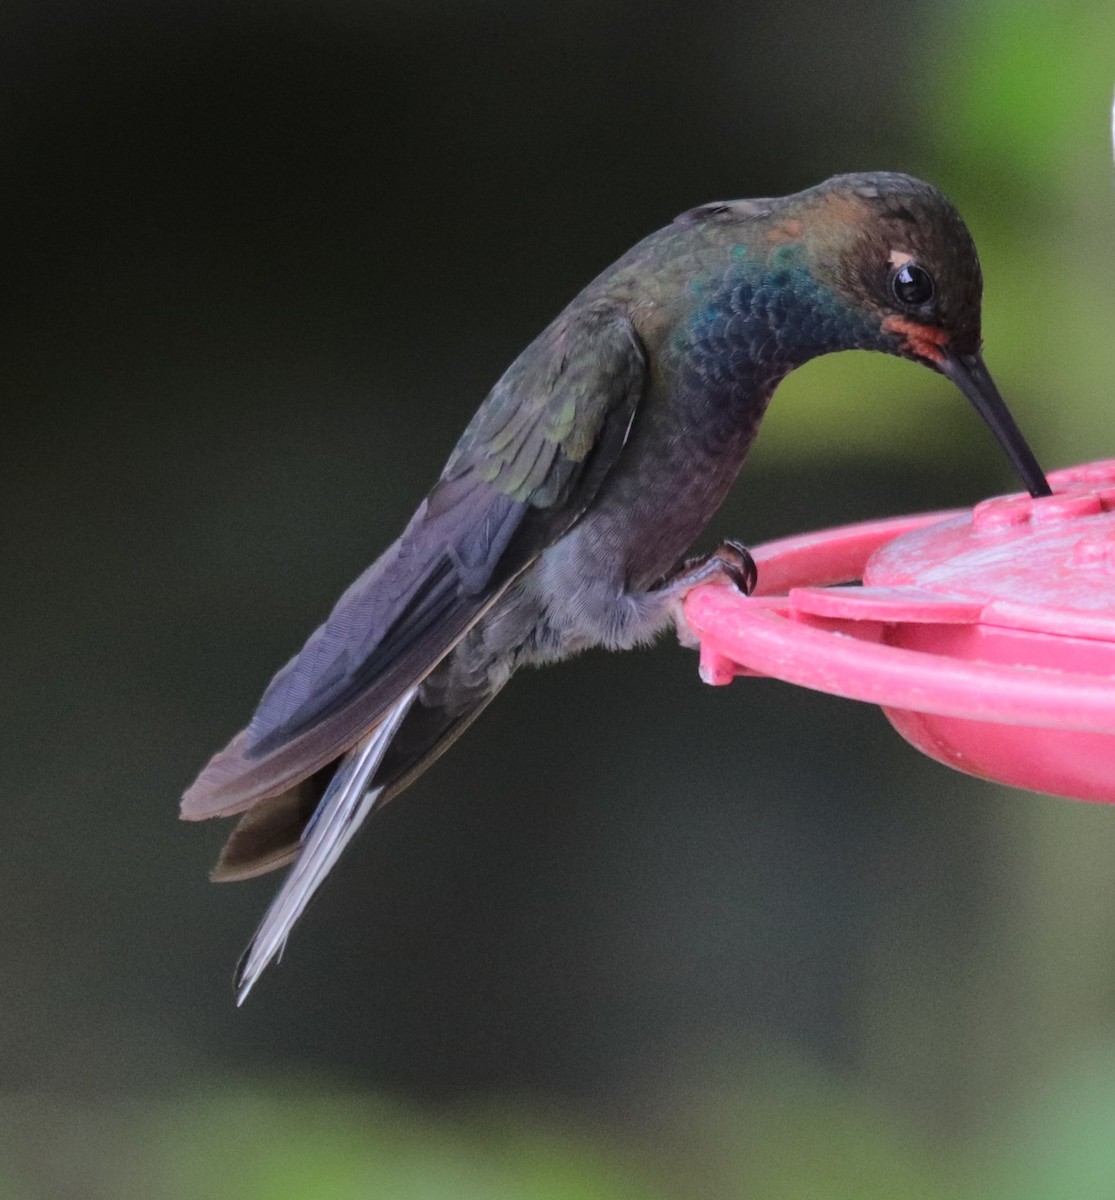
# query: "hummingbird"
(561, 517)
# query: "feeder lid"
(1045, 565)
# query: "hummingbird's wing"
(271, 833)
(524, 471)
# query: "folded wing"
(524, 471)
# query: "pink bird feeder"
(987, 636)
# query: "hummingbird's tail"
(346, 802)
(310, 825)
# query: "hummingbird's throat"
(921, 341)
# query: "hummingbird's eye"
(912, 285)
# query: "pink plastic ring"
(988, 637)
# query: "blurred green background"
(636, 937)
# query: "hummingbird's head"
(895, 250)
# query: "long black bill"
(972, 378)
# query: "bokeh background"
(635, 937)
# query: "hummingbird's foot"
(729, 565)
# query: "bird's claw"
(730, 564)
